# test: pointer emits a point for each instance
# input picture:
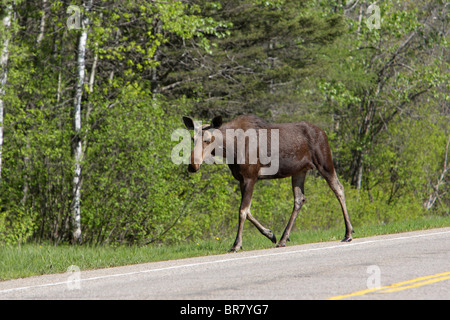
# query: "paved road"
(414, 265)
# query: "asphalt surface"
(413, 265)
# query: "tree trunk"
(4, 73)
(428, 204)
(42, 26)
(358, 170)
(77, 146)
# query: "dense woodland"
(91, 91)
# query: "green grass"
(34, 259)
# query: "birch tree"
(77, 147)
(6, 24)
(435, 195)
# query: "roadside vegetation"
(39, 259)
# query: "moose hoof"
(235, 250)
(280, 245)
(272, 237)
(347, 239)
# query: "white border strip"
(340, 246)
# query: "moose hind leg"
(266, 232)
(298, 182)
(341, 197)
(338, 190)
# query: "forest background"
(91, 91)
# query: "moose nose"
(193, 168)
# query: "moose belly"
(288, 167)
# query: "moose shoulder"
(255, 149)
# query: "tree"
(436, 195)
(78, 149)
(4, 54)
(258, 65)
(383, 75)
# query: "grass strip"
(38, 259)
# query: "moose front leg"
(298, 182)
(247, 193)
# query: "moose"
(301, 147)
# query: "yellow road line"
(417, 284)
(414, 283)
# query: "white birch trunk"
(429, 203)
(42, 26)
(4, 73)
(78, 150)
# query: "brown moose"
(300, 147)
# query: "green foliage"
(16, 225)
(381, 96)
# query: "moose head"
(203, 138)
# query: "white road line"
(340, 246)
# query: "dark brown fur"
(302, 147)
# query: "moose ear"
(216, 122)
(189, 123)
